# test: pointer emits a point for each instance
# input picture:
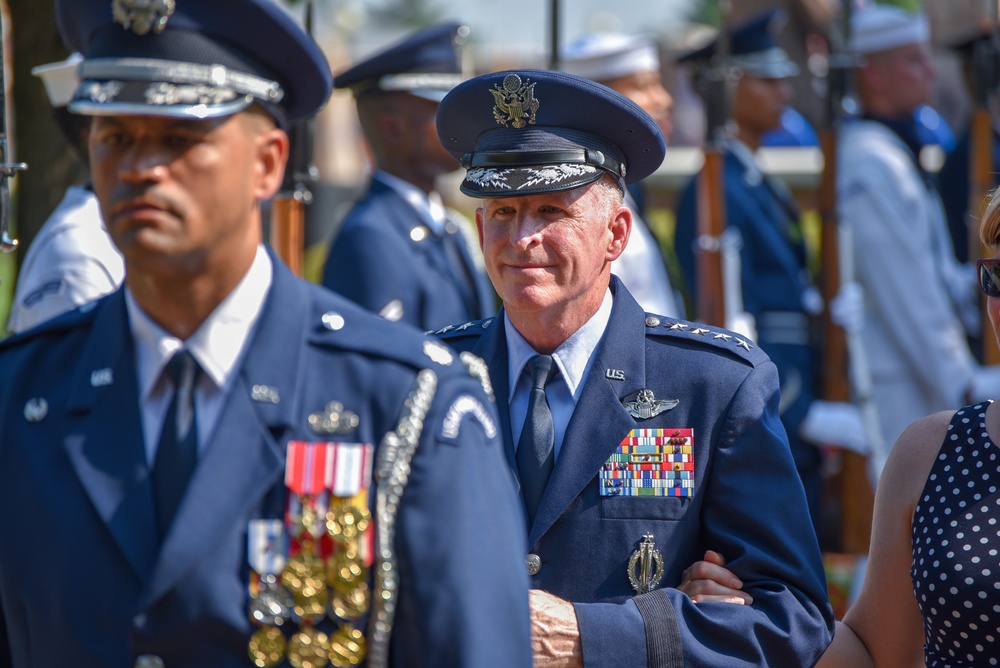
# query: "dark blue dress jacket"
(747, 500)
(83, 580)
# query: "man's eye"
(114, 139)
(181, 141)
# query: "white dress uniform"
(913, 335)
(71, 261)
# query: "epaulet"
(56, 326)
(716, 337)
(343, 324)
(451, 332)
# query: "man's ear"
(479, 228)
(272, 156)
(620, 227)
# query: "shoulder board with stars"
(717, 337)
(473, 328)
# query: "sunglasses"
(988, 270)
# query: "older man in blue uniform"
(400, 252)
(775, 282)
(639, 441)
(219, 464)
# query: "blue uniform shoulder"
(56, 327)
(736, 345)
(340, 323)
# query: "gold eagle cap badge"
(142, 16)
(515, 102)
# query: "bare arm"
(883, 627)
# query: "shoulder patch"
(466, 407)
(716, 337)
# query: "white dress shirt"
(217, 345)
(573, 358)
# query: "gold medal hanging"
(347, 647)
(308, 649)
(267, 647)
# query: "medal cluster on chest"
(314, 565)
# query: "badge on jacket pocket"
(651, 462)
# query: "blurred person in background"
(72, 260)
(776, 286)
(630, 64)
(399, 251)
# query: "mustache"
(129, 197)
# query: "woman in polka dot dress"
(931, 594)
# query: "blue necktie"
(535, 449)
(177, 452)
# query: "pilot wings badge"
(646, 406)
(515, 102)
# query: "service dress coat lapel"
(105, 395)
(492, 348)
(245, 456)
(600, 420)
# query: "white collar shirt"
(573, 358)
(218, 345)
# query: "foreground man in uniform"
(640, 440)
(308, 446)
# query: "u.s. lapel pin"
(647, 406)
(101, 377)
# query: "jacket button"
(534, 564)
(148, 661)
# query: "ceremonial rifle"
(7, 169)
(843, 352)
(982, 170)
(554, 35)
(288, 210)
(711, 191)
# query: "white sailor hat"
(878, 28)
(606, 55)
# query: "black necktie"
(535, 455)
(177, 452)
